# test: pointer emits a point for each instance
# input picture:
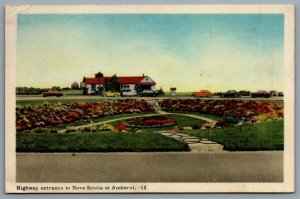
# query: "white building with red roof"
(127, 84)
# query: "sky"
(191, 52)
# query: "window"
(93, 87)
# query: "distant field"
(73, 92)
(179, 93)
(56, 100)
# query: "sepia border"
(10, 98)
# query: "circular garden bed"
(150, 122)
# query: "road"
(38, 97)
(151, 167)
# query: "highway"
(259, 166)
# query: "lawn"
(168, 93)
(206, 115)
(56, 101)
(97, 142)
(73, 92)
(260, 136)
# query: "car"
(52, 92)
(148, 93)
(261, 93)
(231, 93)
(112, 94)
(202, 93)
(274, 93)
(280, 94)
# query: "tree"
(112, 84)
(56, 88)
(99, 74)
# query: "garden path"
(195, 144)
(130, 117)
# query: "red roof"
(121, 80)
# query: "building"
(173, 91)
(127, 84)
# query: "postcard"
(149, 98)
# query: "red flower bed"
(150, 122)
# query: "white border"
(10, 98)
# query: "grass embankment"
(261, 136)
(56, 100)
(168, 93)
(73, 92)
(97, 142)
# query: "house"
(127, 84)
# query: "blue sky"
(187, 51)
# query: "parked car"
(52, 92)
(231, 93)
(274, 93)
(202, 93)
(148, 93)
(280, 94)
(261, 93)
(112, 94)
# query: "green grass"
(97, 142)
(261, 136)
(25, 102)
(73, 92)
(206, 115)
(179, 93)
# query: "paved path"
(195, 144)
(150, 167)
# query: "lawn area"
(206, 115)
(179, 93)
(56, 101)
(261, 136)
(97, 142)
(73, 92)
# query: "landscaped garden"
(133, 125)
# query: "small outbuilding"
(173, 91)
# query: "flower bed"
(150, 122)
(29, 117)
(233, 111)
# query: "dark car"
(280, 94)
(148, 93)
(274, 93)
(231, 93)
(261, 93)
